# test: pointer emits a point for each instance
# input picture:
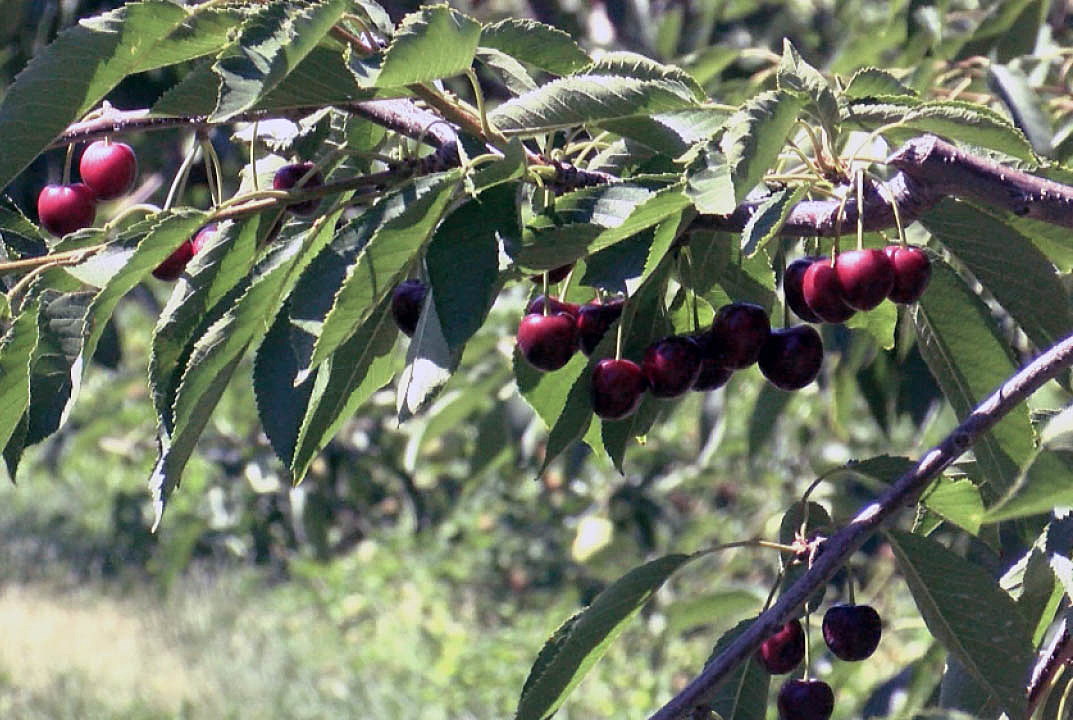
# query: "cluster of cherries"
(108, 170)
(852, 633)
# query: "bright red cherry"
(791, 357)
(593, 320)
(738, 332)
(791, 289)
(805, 700)
(289, 175)
(617, 388)
(174, 264)
(784, 650)
(823, 293)
(555, 275)
(671, 366)
(536, 305)
(866, 277)
(109, 168)
(63, 209)
(912, 271)
(852, 632)
(406, 302)
(547, 341)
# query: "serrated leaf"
(873, 82)
(1042, 485)
(16, 351)
(582, 99)
(20, 236)
(272, 42)
(882, 469)
(511, 72)
(382, 262)
(1013, 88)
(434, 42)
(767, 221)
(722, 276)
(880, 323)
(957, 501)
(576, 646)
(623, 63)
(670, 133)
(953, 595)
(969, 358)
(537, 44)
(755, 135)
(743, 695)
(796, 75)
(710, 183)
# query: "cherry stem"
(178, 184)
(850, 585)
(838, 228)
(774, 589)
(808, 642)
(687, 256)
(210, 171)
(547, 301)
(860, 215)
(68, 161)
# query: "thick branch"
(837, 550)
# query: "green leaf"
(709, 182)
(953, 595)
(957, 501)
(770, 402)
(622, 63)
(272, 42)
(434, 42)
(1012, 87)
(797, 76)
(1042, 485)
(582, 640)
(537, 44)
(969, 358)
(873, 82)
(383, 261)
(743, 695)
(583, 99)
(511, 72)
(430, 362)
(880, 323)
(670, 133)
(1009, 267)
(721, 275)
(767, 221)
(16, 351)
(756, 134)
(20, 236)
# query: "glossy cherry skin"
(109, 168)
(712, 375)
(593, 320)
(173, 266)
(784, 650)
(288, 176)
(555, 275)
(791, 358)
(547, 342)
(738, 332)
(866, 277)
(792, 290)
(671, 366)
(617, 388)
(852, 632)
(823, 293)
(536, 305)
(63, 209)
(406, 302)
(912, 271)
(805, 700)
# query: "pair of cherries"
(108, 171)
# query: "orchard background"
(370, 525)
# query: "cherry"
(406, 302)
(593, 320)
(617, 388)
(547, 341)
(866, 277)
(174, 264)
(671, 366)
(536, 306)
(792, 290)
(738, 332)
(555, 275)
(784, 650)
(912, 271)
(805, 700)
(109, 168)
(823, 293)
(852, 632)
(286, 178)
(712, 375)
(791, 357)
(63, 209)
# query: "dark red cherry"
(738, 332)
(791, 289)
(288, 176)
(406, 302)
(617, 388)
(593, 320)
(63, 209)
(852, 632)
(784, 650)
(536, 305)
(791, 357)
(805, 700)
(671, 366)
(174, 264)
(866, 277)
(555, 275)
(547, 341)
(108, 168)
(823, 293)
(712, 374)
(912, 271)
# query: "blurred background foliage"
(419, 568)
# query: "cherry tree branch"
(836, 550)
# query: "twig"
(839, 547)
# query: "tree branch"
(838, 548)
